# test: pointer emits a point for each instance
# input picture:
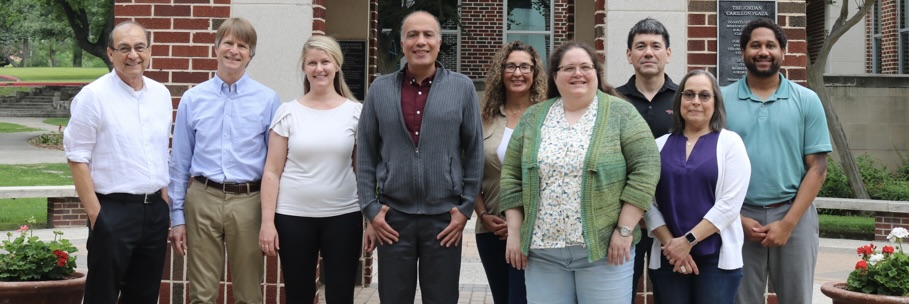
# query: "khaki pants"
(216, 220)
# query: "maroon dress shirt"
(413, 101)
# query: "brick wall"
(816, 27)
(886, 221)
(702, 37)
(65, 212)
(482, 35)
(889, 37)
(182, 36)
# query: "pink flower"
(861, 265)
(23, 228)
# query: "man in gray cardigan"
(419, 166)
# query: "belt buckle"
(224, 187)
(145, 199)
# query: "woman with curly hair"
(513, 83)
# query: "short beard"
(753, 70)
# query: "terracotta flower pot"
(838, 293)
(44, 292)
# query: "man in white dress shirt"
(116, 146)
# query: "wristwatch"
(624, 231)
(691, 238)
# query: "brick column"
(599, 29)
(483, 25)
(65, 212)
(889, 38)
(886, 221)
(318, 17)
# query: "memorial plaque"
(355, 66)
(731, 18)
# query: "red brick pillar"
(65, 212)
(886, 221)
(318, 17)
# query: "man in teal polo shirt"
(785, 132)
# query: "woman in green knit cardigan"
(580, 171)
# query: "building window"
(876, 38)
(903, 15)
(530, 21)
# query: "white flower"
(874, 258)
(897, 233)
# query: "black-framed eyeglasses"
(702, 96)
(570, 69)
(127, 49)
(511, 68)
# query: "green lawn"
(9, 91)
(55, 74)
(6, 127)
(851, 227)
(56, 121)
(14, 212)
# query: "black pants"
(505, 282)
(418, 250)
(126, 251)
(338, 238)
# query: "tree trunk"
(853, 175)
(77, 55)
(51, 61)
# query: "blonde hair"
(331, 47)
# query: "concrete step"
(44, 114)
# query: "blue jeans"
(711, 286)
(563, 275)
(505, 282)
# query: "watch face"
(690, 237)
(624, 231)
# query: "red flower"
(865, 250)
(887, 249)
(861, 265)
(62, 257)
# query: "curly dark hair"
(552, 91)
(494, 96)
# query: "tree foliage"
(53, 26)
(91, 22)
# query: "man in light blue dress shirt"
(219, 147)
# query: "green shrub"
(50, 139)
(879, 182)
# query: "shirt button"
(649, 107)
(419, 93)
(416, 133)
(418, 112)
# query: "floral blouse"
(563, 148)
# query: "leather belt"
(237, 188)
(780, 204)
(133, 198)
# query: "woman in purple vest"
(695, 214)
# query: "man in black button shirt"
(650, 90)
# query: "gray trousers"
(790, 268)
(418, 252)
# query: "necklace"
(688, 143)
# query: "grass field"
(56, 121)
(14, 212)
(55, 74)
(851, 227)
(6, 127)
(9, 91)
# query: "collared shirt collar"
(224, 89)
(126, 87)
(782, 92)
(667, 85)
(409, 77)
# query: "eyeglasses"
(511, 68)
(702, 96)
(571, 69)
(126, 49)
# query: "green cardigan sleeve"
(642, 157)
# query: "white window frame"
(550, 32)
